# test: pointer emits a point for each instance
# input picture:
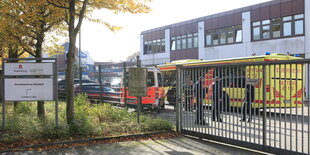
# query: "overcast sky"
(104, 45)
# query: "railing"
(259, 105)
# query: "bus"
(284, 84)
(155, 92)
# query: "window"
(299, 24)
(266, 32)
(256, 23)
(266, 29)
(230, 37)
(172, 44)
(154, 46)
(195, 40)
(158, 46)
(190, 41)
(299, 27)
(150, 47)
(223, 38)
(163, 45)
(256, 33)
(145, 47)
(183, 41)
(278, 27)
(287, 29)
(160, 80)
(208, 39)
(215, 39)
(238, 36)
(178, 46)
(150, 79)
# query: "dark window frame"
(189, 38)
(217, 32)
(290, 19)
(154, 46)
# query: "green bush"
(90, 120)
(25, 108)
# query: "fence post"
(178, 100)
(264, 107)
(2, 95)
(125, 85)
(100, 83)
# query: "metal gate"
(258, 105)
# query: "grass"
(91, 120)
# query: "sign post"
(29, 81)
(137, 84)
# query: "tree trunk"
(40, 39)
(13, 53)
(70, 65)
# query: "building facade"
(278, 26)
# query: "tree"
(76, 11)
(133, 56)
(26, 23)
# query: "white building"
(278, 26)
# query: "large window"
(276, 27)
(184, 38)
(223, 36)
(154, 46)
(195, 40)
(299, 24)
(184, 41)
(190, 41)
(287, 26)
(209, 38)
(256, 30)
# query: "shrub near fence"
(98, 120)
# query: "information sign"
(137, 82)
(29, 89)
(18, 69)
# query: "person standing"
(217, 99)
(247, 105)
(200, 94)
(188, 93)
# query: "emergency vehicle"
(155, 91)
(284, 84)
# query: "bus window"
(160, 80)
(150, 79)
(169, 78)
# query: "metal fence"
(259, 105)
(102, 85)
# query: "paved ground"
(176, 146)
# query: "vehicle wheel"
(162, 103)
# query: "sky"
(104, 45)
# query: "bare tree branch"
(81, 16)
(56, 5)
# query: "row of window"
(185, 41)
(228, 35)
(261, 30)
(154, 46)
(278, 27)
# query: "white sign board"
(137, 82)
(29, 89)
(252, 81)
(17, 69)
